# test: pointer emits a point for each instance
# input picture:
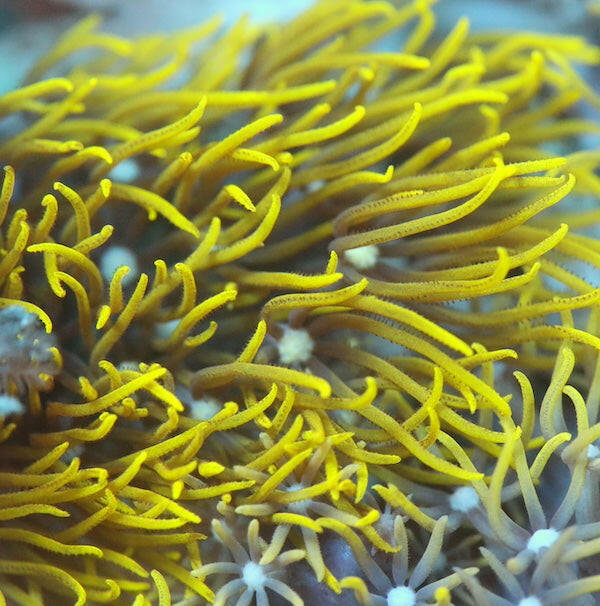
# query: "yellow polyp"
(95, 431)
(116, 380)
(164, 429)
(219, 375)
(392, 495)
(442, 596)
(128, 474)
(108, 595)
(195, 315)
(254, 343)
(154, 452)
(249, 414)
(160, 275)
(164, 595)
(310, 137)
(244, 246)
(44, 147)
(189, 290)
(156, 138)
(85, 526)
(358, 586)
(176, 489)
(142, 381)
(190, 343)
(54, 116)
(233, 141)
(50, 573)
(83, 307)
(240, 197)
(6, 431)
(110, 337)
(82, 219)
(285, 280)
(15, 287)
(362, 481)
(395, 430)
(335, 297)
(254, 156)
(167, 178)
(174, 474)
(74, 161)
(52, 274)
(295, 519)
(104, 313)
(48, 460)
(161, 562)
(14, 255)
(153, 203)
(78, 259)
(546, 451)
(32, 91)
(11, 513)
(345, 60)
(8, 185)
(279, 449)
(209, 469)
(363, 159)
(276, 478)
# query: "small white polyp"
(464, 499)
(295, 346)
(253, 575)
(9, 405)
(363, 257)
(542, 538)
(115, 257)
(204, 408)
(593, 452)
(163, 330)
(530, 600)
(126, 171)
(401, 596)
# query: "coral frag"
(288, 318)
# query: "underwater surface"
(299, 306)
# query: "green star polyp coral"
(279, 305)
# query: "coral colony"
(287, 319)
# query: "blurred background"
(29, 27)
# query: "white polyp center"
(9, 405)
(530, 600)
(163, 330)
(204, 408)
(126, 171)
(115, 257)
(401, 596)
(464, 499)
(315, 186)
(129, 365)
(541, 539)
(298, 507)
(363, 257)
(593, 452)
(295, 346)
(253, 575)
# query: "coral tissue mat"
(285, 318)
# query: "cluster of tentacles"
(286, 316)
